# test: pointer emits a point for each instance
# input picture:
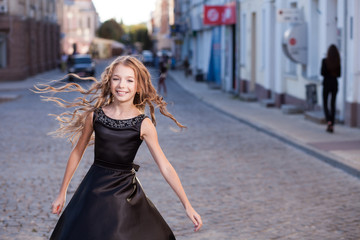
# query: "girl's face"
(123, 84)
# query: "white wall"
(357, 51)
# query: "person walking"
(64, 59)
(330, 70)
(163, 73)
(186, 67)
(110, 203)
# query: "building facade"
(79, 21)
(162, 19)
(29, 38)
(269, 73)
(210, 47)
(251, 56)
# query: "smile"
(121, 93)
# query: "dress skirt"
(110, 204)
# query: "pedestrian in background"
(163, 74)
(64, 59)
(110, 202)
(186, 67)
(330, 70)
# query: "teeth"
(121, 93)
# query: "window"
(2, 50)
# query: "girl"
(330, 70)
(110, 203)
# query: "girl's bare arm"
(73, 162)
(149, 134)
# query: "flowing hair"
(99, 94)
(333, 61)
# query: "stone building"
(78, 21)
(162, 18)
(29, 38)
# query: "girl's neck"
(122, 110)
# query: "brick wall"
(32, 47)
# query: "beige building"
(105, 48)
(29, 38)
(79, 21)
(163, 17)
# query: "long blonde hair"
(98, 95)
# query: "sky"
(130, 11)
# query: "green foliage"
(139, 34)
(111, 29)
(133, 34)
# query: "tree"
(139, 34)
(111, 29)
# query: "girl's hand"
(58, 204)
(195, 218)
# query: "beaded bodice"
(116, 141)
(116, 123)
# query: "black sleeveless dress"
(110, 203)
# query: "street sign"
(220, 14)
(289, 15)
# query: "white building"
(210, 48)
(266, 71)
(249, 57)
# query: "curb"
(304, 148)
(8, 97)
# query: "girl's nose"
(121, 84)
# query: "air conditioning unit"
(3, 6)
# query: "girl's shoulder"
(147, 128)
(147, 124)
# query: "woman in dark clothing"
(163, 74)
(330, 70)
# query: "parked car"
(81, 64)
(147, 57)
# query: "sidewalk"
(340, 149)
(7, 89)
(29, 82)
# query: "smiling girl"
(110, 203)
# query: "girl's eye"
(130, 80)
(115, 79)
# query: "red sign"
(292, 41)
(220, 15)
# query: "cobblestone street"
(244, 183)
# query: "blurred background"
(269, 51)
(244, 77)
